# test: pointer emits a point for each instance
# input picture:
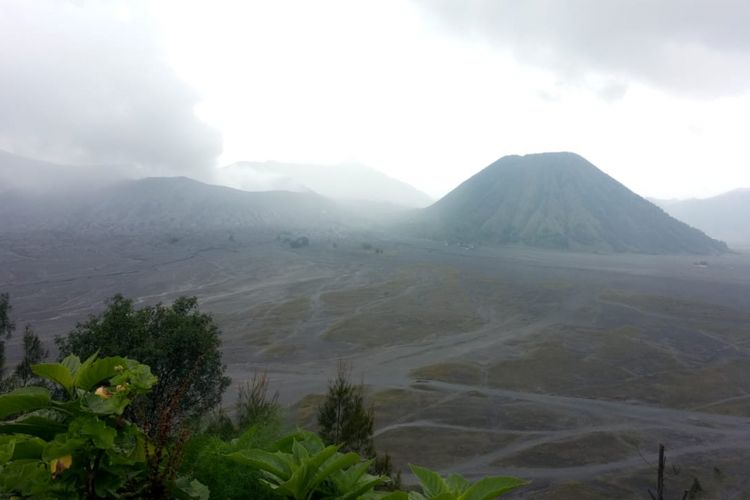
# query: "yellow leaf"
(59, 465)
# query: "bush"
(206, 460)
(82, 446)
(301, 467)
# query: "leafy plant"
(301, 467)
(455, 487)
(206, 460)
(82, 446)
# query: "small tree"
(7, 326)
(33, 353)
(255, 403)
(178, 342)
(343, 418)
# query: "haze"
(522, 225)
(428, 92)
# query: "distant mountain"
(726, 216)
(340, 182)
(560, 201)
(30, 176)
(159, 204)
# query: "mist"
(517, 226)
(83, 86)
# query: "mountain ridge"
(723, 216)
(348, 182)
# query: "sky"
(656, 94)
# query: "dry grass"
(269, 321)
(436, 447)
(586, 449)
(418, 308)
(460, 372)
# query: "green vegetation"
(301, 467)
(343, 418)
(456, 487)
(180, 343)
(81, 446)
(33, 350)
(7, 326)
(109, 428)
(206, 459)
(33, 353)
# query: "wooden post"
(660, 476)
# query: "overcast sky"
(655, 93)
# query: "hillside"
(340, 182)
(561, 201)
(724, 216)
(160, 204)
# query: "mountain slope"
(558, 200)
(31, 176)
(158, 204)
(341, 182)
(726, 216)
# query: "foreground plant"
(455, 487)
(82, 446)
(301, 467)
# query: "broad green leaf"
(62, 445)
(55, 372)
(311, 441)
(394, 495)
(457, 484)
(23, 400)
(346, 479)
(108, 482)
(318, 459)
(491, 487)
(28, 448)
(138, 376)
(94, 372)
(305, 479)
(432, 483)
(72, 363)
(129, 446)
(113, 405)
(7, 447)
(102, 435)
(362, 487)
(298, 484)
(27, 478)
(34, 425)
(185, 489)
(273, 463)
(299, 452)
(339, 462)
